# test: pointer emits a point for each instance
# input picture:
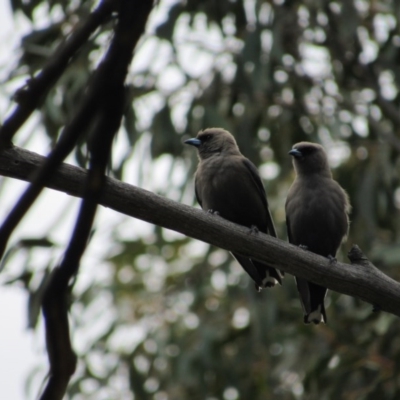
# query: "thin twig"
(71, 133)
(32, 94)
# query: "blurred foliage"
(173, 318)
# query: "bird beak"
(295, 153)
(193, 142)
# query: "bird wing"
(196, 191)
(261, 191)
(304, 292)
(311, 295)
(249, 267)
(262, 275)
(289, 234)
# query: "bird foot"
(332, 260)
(303, 247)
(254, 229)
(213, 212)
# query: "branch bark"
(360, 279)
(108, 109)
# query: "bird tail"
(262, 275)
(312, 300)
(272, 277)
(316, 316)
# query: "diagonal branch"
(31, 96)
(358, 280)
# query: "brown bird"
(229, 184)
(317, 211)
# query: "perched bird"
(317, 211)
(229, 184)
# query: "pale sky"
(20, 350)
(17, 357)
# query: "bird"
(317, 218)
(229, 185)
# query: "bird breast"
(225, 185)
(317, 215)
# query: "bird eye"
(206, 137)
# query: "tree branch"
(30, 96)
(109, 107)
(97, 90)
(360, 279)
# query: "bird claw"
(303, 247)
(213, 212)
(332, 260)
(254, 229)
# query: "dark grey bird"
(229, 184)
(317, 219)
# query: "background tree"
(167, 317)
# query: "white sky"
(17, 356)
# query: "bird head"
(214, 141)
(309, 158)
